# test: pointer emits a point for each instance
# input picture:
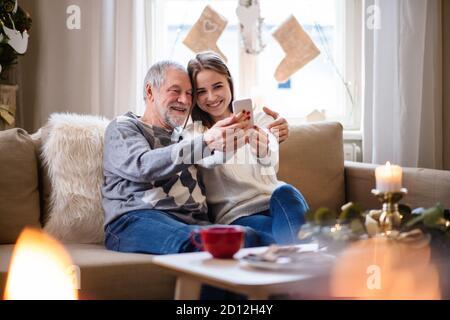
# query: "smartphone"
(244, 105)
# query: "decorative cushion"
(312, 160)
(19, 193)
(426, 187)
(72, 153)
(45, 186)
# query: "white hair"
(156, 76)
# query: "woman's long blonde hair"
(207, 61)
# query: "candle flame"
(389, 169)
(39, 269)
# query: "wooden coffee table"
(194, 269)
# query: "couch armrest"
(426, 187)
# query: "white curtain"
(119, 53)
(97, 69)
(403, 83)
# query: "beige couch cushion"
(426, 187)
(108, 275)
(312, 160)
(19, 194)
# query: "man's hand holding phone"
(280, 126)
(228, 132)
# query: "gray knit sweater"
(144, 169)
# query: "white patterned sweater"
(243, 184)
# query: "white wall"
(56, 72)
(88, 71)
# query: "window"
(178, 17)
(329, 83)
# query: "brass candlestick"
(390, 217)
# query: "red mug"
(221, 242)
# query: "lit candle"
(389, 178)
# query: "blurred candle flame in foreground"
(39, 269)
(380, 269)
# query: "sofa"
(312, 160)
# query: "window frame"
(351, 14)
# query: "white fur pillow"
(73, 153)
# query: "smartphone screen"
(244, 105)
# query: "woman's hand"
(228, 133)
(280, 127)
(259, 142)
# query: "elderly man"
(153, 200)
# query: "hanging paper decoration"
(249, 15)
(298, 46)
(206, 31)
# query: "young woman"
(245, 189)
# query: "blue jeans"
(284, 218)
(155, 232)
(280, 224)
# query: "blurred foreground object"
(40, 269)
(381, 268)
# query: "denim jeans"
(282, 222)
(155, 232)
